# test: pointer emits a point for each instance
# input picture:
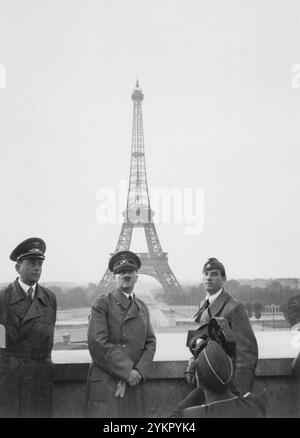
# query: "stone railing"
(166, 386)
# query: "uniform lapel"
(203, 316)
(17, 301)
(37, 305)
(134, 310)
(131, 312)
(219, 302)
(200, 312)
(120, 298)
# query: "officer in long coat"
(219, 303)
(28, 314)
(122, 345)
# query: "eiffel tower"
(138, 212)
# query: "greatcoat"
(120, 337)
(235, 313)
(246, 354)
(25, 362)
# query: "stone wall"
(166, 386)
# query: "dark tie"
(130, 299)
(201, 310)
(30, 293)
(206, 304)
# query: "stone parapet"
(166, 386)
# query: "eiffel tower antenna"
(138, 212)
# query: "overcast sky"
(221, 114)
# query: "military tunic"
(246, 406)
(25, 362)
(120, 337)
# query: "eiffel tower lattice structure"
(138, 212)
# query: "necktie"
(201, 310)
(130, 299)
(206, 304)
(30, 293)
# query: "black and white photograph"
(150, 215)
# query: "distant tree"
(191, 295)
(91, 292)
(61, 297)
(291, 311)
(257, 308)
(77, 297)
(234, 287)
(283, 308)
(249, 308)
(274, 292)
(57, 290)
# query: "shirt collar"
(25, 286)
(127, 295)
(212, 298)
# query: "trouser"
(25, 387)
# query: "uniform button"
(121, 313)
(124, 334)
(124, 345)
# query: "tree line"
(255, 298)
(77, 297)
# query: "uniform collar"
(17, 293)
(212, 298)
(121, 298)
(25, 286)
(219, 302)
(127, 295)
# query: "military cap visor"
(29, 248)
(124, 260)
(214, 263)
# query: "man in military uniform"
(28, 313)
(215, 371)
(122, 345)
(219, 303)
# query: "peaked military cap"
(213, 263)
(124, 260)
(30, 248)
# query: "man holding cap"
(219, 303)
(122, 345)
(28, 313)
(215, 371)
